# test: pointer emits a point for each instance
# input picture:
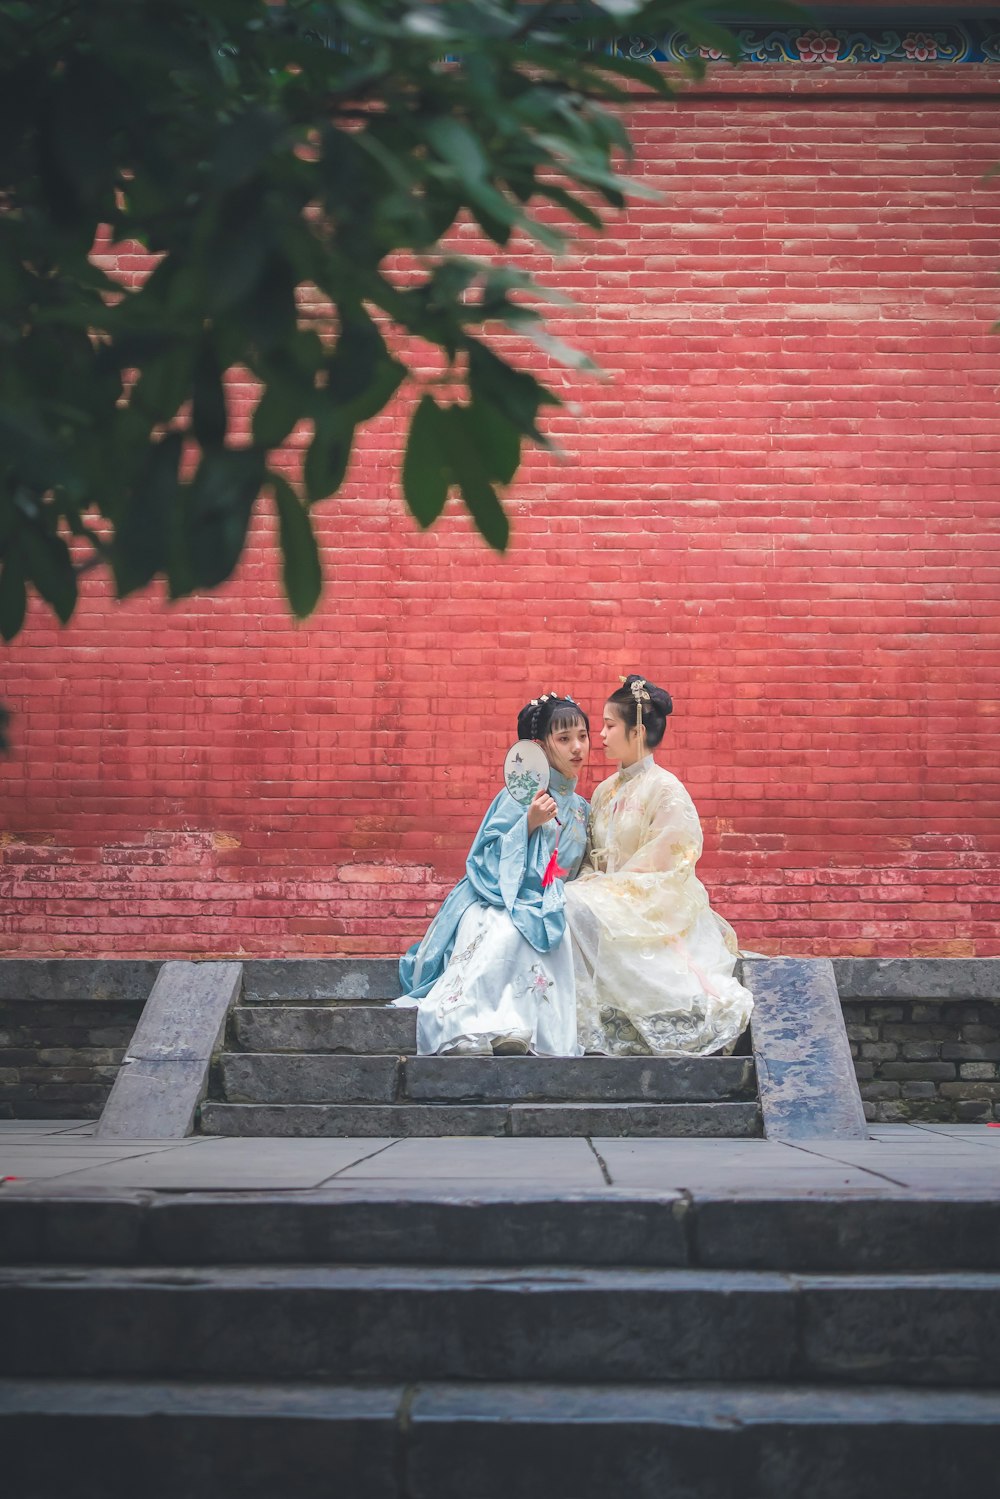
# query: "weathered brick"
(879, 1051)
(971, 1109)
(923, 1051)
(977, 1070)
(924, 1071)
(968, 1089)
(879, 1090)
(965, 1051)
(919, 1090)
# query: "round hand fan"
(525, 771)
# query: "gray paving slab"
(754, 1166)
(541, 1162)
(901, 1159)
(212, 1164)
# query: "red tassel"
(552, 870)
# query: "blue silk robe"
(504, 870)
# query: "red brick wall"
(781, 502)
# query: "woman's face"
(619, 742)
(568, 749)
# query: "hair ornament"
(637, 686)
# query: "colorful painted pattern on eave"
(922, 42)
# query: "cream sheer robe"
(654, 964)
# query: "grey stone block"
(371, 1029)
(720, 1442)
(805, 1074)
(609, 1121)
(405, 1323)
(879, 1051)
(923, 1051)
(879, 1090)
(334, 980)
(70, 1226)
(982, 1033)
(968, 1051)
(967, 1088)
(288, 1078)
(977, 1070)
(396, 1121)
(938, 1329)
(199, 1441)
(844, 1234)
(76, 980)
(164, 1075)
(416, 1120)
(919, 1090)
(918, 978)
(941, 1072)
(451, 1227)
(971, 1109)
(578, 1079)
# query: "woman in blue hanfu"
(493, 975)
(654, 964)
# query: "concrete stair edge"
(446, 1441)
(436, 1120)
(373, 1323)
(321, 1077)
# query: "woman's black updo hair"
(654, 713)
(549, 714)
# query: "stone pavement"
(951, 1160)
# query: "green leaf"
(425, 471)
(48, 564)
(515, 393)
(328, 456)
(498, 441)
(13, 597)
(472, 477)
(165, 383)
(216, 509)
(208, 406)
(456, 144)
(143, 535)
(303, 577)
(484, 507)
(279, 409)
(244, 145)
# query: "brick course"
(781, 502)
(916, 1060)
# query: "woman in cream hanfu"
(493, 975)
(654, 963)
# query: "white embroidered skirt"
(495, 983)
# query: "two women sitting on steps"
(611, 949)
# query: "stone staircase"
(321, 1053)
(475, 1346)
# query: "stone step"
(408, 1121)
(496, 1223)
(262, 1077)
(369, 1324)
(327, 981)
(445, 1441)
(374, 1028)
